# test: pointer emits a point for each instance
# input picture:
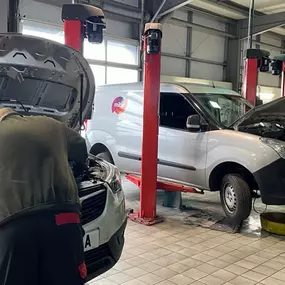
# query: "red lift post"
(256, 60)
(148, 182)
(82, 21)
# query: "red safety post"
(250, 80)
(73, 34)
(256, 60)
(152, 60)
(82, 21)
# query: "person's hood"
(272, 111)
(42, 77)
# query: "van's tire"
(105, 156)
(236, 197)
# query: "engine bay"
(270, 127)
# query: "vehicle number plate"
(91, 240)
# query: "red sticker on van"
(119, 105)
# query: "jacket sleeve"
(77, 149)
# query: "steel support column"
(4, 10)
(13, 19)
(234, 56)
(188, 45)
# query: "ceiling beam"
(201, 28)
(262, 24)
(169, 6)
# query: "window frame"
(107, 37)
(187, 101)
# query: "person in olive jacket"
(40, 231)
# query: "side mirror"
(193, 123)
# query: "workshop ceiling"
(238, 9)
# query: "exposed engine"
(273, 127)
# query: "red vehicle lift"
(148, 182)
(82, 21)
(256, 60)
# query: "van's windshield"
(224, 109)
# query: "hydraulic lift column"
(82, 21)
(152, 60)
(256, 60)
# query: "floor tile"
(236, 269)
(181, 279)
(255, 276)
(211, 280)
(242, 281)
(178, 267)
(265, 270)
(224, 275)
(149, 267)
(195, 273)
(207, 268)
(150, 279)
(135, 272)
(120, 278)
(272, 281)
(165, 273)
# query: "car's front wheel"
(106, 156)
(236, 197)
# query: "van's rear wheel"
(105, 156)
(236, 197)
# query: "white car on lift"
(41, 77)
(206, 140)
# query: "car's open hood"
(46, 77)
(272, 111)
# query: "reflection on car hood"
(274, 110)
(46, 77)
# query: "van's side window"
(174, 110)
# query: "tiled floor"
(174, 253)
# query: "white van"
(41, 77)
(207, 139)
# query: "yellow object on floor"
(273, 222)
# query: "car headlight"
(113, 176)
(277, 145)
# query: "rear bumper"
(104, 257)
(271, 182)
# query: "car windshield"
(224, 109)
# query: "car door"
(182, 154)
(129, 132)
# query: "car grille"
(93, 207)
(97, 259)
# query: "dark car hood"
(46, 77)
(272, 111)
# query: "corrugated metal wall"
(204, 46)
